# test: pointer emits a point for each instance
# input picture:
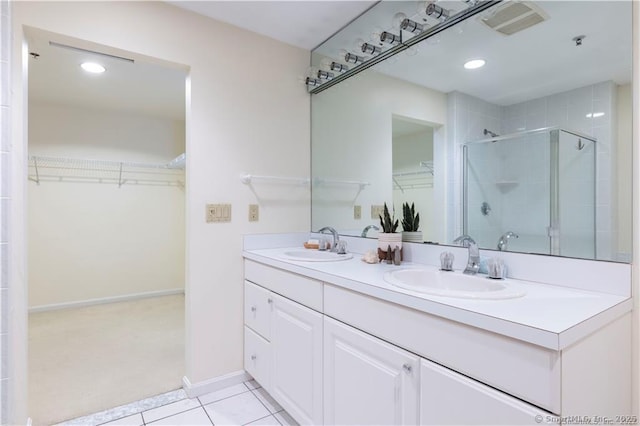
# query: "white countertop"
(550, 316)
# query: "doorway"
(105, 227)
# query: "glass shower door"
(573, 213)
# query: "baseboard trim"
(194, 390)
(103, 300)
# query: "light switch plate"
(216, 213)
(377, 211)
(357, 212)
(254, 212)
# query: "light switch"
(218, 213)
(377, 211)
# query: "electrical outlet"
(377, 211)
(357, 212)
(254, 212)
(218, 213)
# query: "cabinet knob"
(253, 309)
(269, 300)
(407, 368)
(253, 357)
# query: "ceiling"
(151, 87)
(301, 23)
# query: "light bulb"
(397, 20)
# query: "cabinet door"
(296, 373)
(257, 309)
(257, 357)
(448, 397)
(367, 381)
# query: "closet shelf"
(63, 169)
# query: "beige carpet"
(85, 360)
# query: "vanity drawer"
(303, 290)
(257, 357)
(257, 309)
(447, 397)
(526, 371)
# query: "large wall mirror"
(530, 152)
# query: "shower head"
(488, 132)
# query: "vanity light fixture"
(93, 67)
(337, 66)
(474, 64)
(437, 12)
(353, 59)
(411, 26)
(325, 75)
(309, 81)
(387, 37)
(595, 114)
(370, 49)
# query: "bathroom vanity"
(333, 343)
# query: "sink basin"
(453, 284)
(315, 256)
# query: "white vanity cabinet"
(334, 355)
(283, 339)
(366, 380)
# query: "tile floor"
(243, 404)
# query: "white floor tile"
(170, 409)
(135, 420)
(223, 393)
(237, 410)
(191, 417)
(267, 400)
(266, 421)
(252, 384)
(285, 419)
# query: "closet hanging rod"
(320, 181)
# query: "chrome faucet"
(504, 240)
(473, 264)
(366, 229)
(336, 238)
(464, 240)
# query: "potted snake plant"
(410, 224)
(388, 237)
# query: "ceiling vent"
(514, 17)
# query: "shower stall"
(538, 184)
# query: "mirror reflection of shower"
(550, 172)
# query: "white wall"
(624, 171)
(360, 112)
(246, 113)
(91, 240)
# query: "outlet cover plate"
(357, 212)
(254, 212)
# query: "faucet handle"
(446, 261)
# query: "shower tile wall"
(470, 116)
(5, 195)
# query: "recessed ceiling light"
(595, 114)
(93, 67)
(474, 64)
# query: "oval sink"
(315, 256)
(453, 284)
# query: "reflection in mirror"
(561, 65)
(412, 143)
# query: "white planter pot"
(412, 237)
(393, 239)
